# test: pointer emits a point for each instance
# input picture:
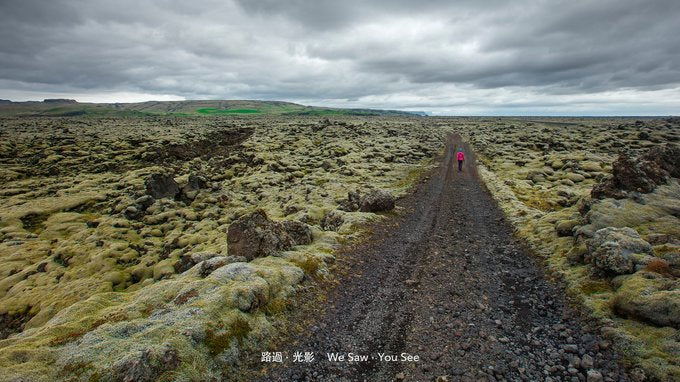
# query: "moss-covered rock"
(649, 297)
(255, 235)
(611, 249)
(566, 227)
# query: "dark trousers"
(460, 165)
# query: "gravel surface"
(449, 283)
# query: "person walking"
(461, 158)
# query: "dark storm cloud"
(438, 55)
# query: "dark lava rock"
(138, 209)
(208, 266)
(298, 231)
(214, 143)
(352, 202)
(331, 221)
(289, 210)
(12, 323)
(255, 235)
(144, 202)
(640, 174)
(376, 201)
(192, 187)
(665, 156)
(188, 260)
(161, 186)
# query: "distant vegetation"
(212, 110)
(68, 108)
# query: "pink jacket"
(461, 156)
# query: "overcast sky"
(599, 57)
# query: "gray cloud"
(561, 56)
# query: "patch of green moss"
(652, 348)
(218, 340)
(666, 249)
(276, 306)
(595, 287)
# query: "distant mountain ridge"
(69, 107)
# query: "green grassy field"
(213, 111)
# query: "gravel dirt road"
(448, 283)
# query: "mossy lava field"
(167, 247)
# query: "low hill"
(66, 107)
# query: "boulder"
(590, 166)
(239, 271)
(667, 157)
(188, 260)
(650, 298)
(138, 209)
(641, 174)
(566, 227)
(161, 186)
(610, 259)
(607, 188)
(331, 221)
(610, 250)
(210, 265)
(300, 232)
(352, 202)
(144, 202)
(195, 183)
(594, 376)
(255, 235)
(376, 201)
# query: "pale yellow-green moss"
(99, 287)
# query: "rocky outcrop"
(138, 208)
(566, 227)
(352, 203)
(641, 174)
(610, 250)
(376, 201)
(188, 260)
(12, 323)
(651, 298)
(300, 232)
(667, 157)
(194, 184)
(255, 235)
(210, 265)
(161, 186)
(331, 221)
(214, 143)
